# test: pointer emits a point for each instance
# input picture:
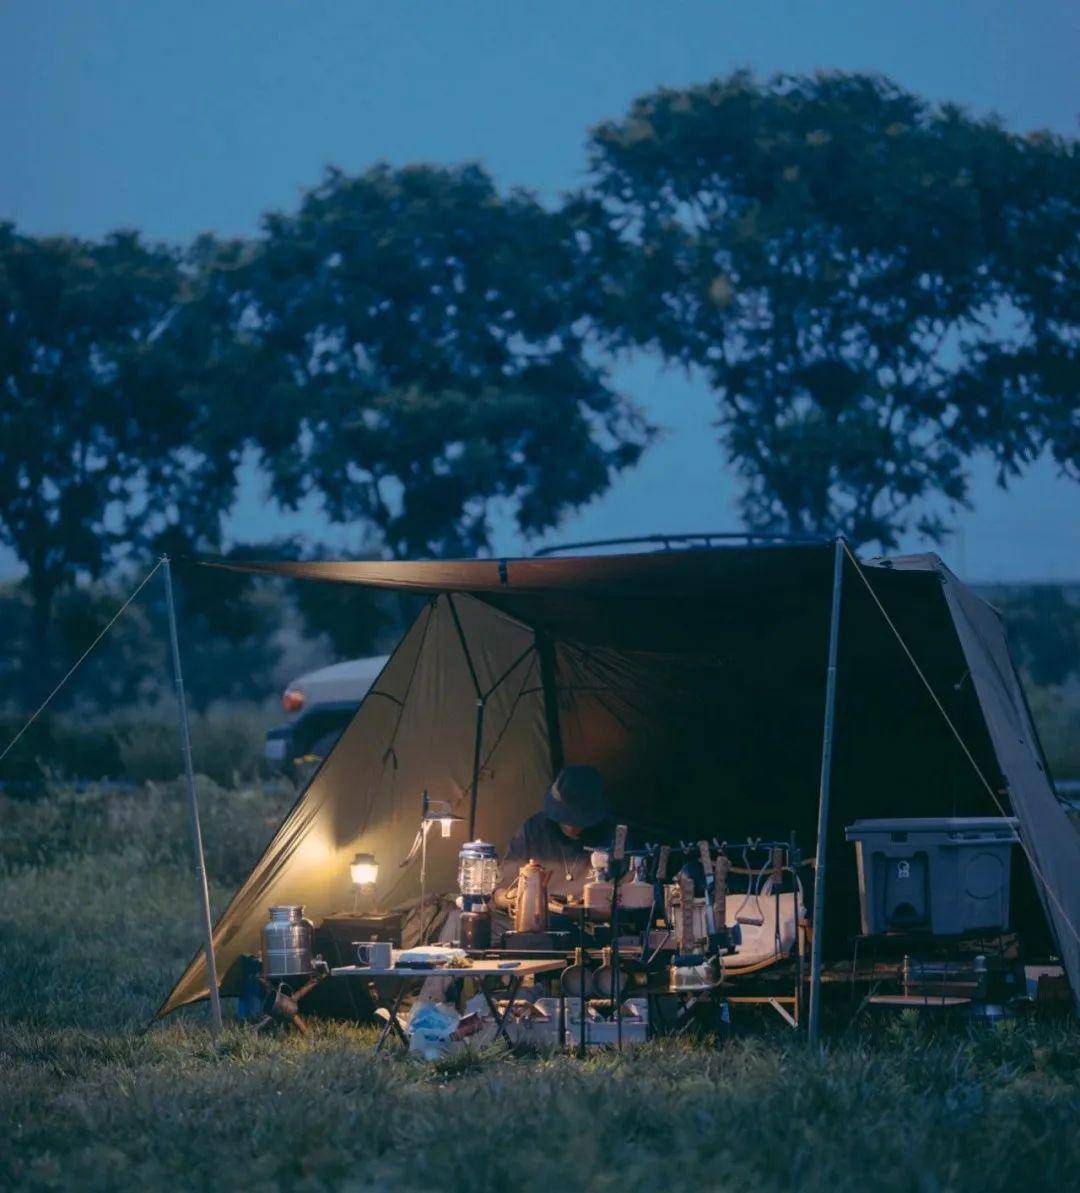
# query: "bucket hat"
(577, 797)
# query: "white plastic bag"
(430, 1028)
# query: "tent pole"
(193, 807)
(814, 1019)
(546, 651)
(478, 744)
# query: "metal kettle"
(531, 906)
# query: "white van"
(317, 708)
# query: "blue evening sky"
(175, 118)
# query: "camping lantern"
(478, 872)
(364, 870)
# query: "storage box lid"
(960, 828)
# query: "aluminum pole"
(478, 745)
(193, 806)
(814, 1021)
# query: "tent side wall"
(1047, 831)
(414, 730)
(694, 683)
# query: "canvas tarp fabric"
(694, 681)
(1050, 839)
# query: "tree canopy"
(876, 287)
(86, 426)
(123, 411)
(426, 361)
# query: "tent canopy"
(694, 681)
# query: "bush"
(135, 745)
(226, 744)
(1057, 718)
(147, 824)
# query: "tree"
(116, 427)
(875, 287)
(1043, 623)
(75, 425)
(423, 361)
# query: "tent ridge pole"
(478, 746)
(465, 647)
(814, 1018)
(546, 652)
(193, 808)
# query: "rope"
(963, 745)
(78, 663)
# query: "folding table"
(486, 973)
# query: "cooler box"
(942, 876)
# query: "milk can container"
(286, 942)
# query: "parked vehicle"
(317, 708)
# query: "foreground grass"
(92, 939)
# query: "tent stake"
(193, 806)
(814, 1019)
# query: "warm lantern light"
(364, 869)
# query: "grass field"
(97, 919)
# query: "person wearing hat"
(575, 819)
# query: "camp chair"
(762, 944)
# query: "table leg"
(500, 1020)
(391, 1026)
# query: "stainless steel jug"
(286, 942)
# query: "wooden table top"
(918, 1000)
(525, 968)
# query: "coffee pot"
(531, 905)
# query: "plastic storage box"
(941, 876)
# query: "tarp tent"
(694, 681)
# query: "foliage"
(87, 423)
(1056, 711)
(94, 935)
(423, 338)
(146, 824)
(129, 667)
(355, 621)
(133, 745)
(876, 287)
(229, 640)
(1043, 624)
(123, 415)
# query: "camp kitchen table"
(487, 974)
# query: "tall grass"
(135, 744)
(98, 917)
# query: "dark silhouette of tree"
(123, 413)
(423, 360)
(83, 409)
(876, 288)
(1043, 623)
